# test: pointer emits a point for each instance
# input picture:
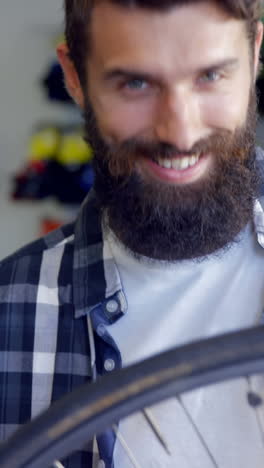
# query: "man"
(168, 247)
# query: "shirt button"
(109, 365)
(112, 306)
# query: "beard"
(171, 222)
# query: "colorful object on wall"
(59, 166)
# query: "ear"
(72, 81)
(258, 43)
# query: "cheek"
(119, 119)
(226, 110)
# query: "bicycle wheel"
(91, 409)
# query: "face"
(170, 110)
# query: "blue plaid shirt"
(56, 297)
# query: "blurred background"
(45, 168)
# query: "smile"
(178, 170)
(179, 164)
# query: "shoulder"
(23, 267)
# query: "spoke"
(198, 433)
(155, 428)
(126, 447)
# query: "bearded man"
(168, 246)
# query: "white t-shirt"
(171, 304)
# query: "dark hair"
(78, 14)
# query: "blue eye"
(137, 84)
(210, 76)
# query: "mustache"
(123, 157)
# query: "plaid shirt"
(56, 296)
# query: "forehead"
(184, 36)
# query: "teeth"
(176, 164)
(185, 163)
(167, 163)
(194, 160)
(179, 164)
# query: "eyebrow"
(119, 72)
(116, 73)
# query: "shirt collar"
(89, 282)
(95, 274)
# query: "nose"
(179, 120)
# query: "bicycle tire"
(89, 410)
